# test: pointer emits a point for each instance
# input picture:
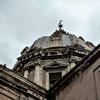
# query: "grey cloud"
(94, 26)
(22, 22)
(5, 54)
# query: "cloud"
(5, 54)
(94, 26)
(22, 22)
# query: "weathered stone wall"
(14, 87)
(85, 87)
(8, 94)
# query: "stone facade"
(15, 87)
(51, 56)
(82, 82)
(53, 68)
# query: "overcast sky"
(23, 21)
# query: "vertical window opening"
(54, 77)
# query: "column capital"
(26, 68)
(37, 63)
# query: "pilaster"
(47, 80)
(26, 72)
(38, 74)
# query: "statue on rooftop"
(60, 24)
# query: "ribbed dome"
(61, 38)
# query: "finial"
(60, 25)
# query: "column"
(38, 74)
(26, 72)
(47, 80)
(63, 73)
(41, 74)
(71, 65)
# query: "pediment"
(54, 65)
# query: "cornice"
(8, 76)
(76, 71)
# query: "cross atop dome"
(60, 24)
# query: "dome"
(61, 38)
